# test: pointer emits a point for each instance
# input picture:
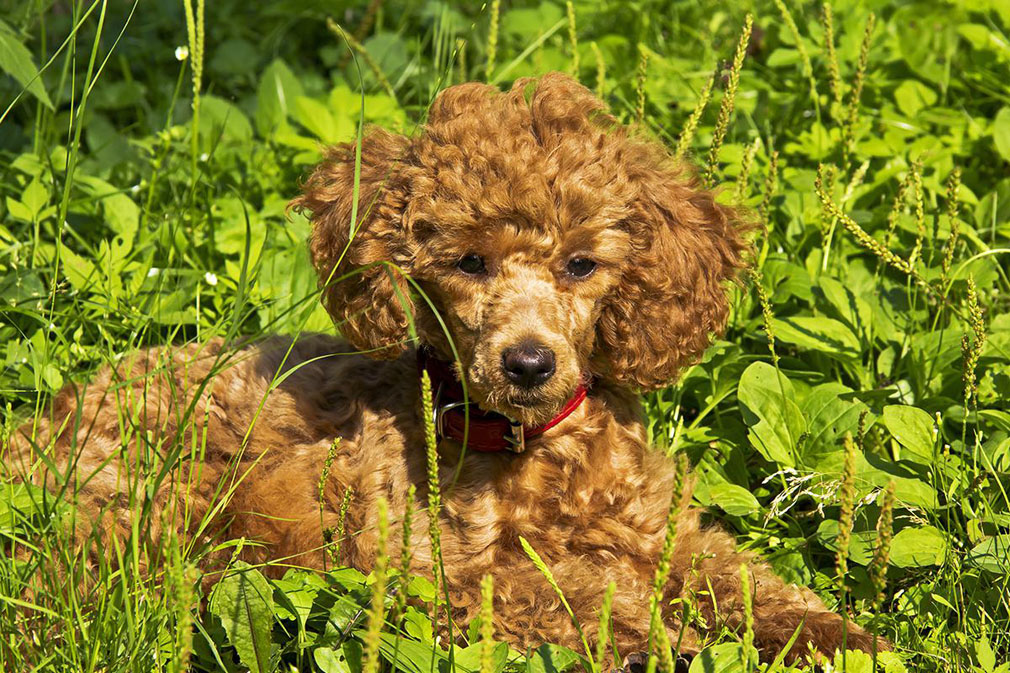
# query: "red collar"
(488, 431)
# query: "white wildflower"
(181, 53)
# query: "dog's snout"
(528, 365)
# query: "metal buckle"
(518, 436)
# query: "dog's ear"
(673, 294)
(352, 237)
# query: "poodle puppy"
(540, 255)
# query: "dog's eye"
(580, 267)
(471, 264)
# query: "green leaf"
(19, 211)
(769, 408)
(16, 61)
(552, 659)
(81, 272)
(918, 546)
(723, 658)
(734, 499)
(1001, 132)
(986, 657)
(912, 96)
(819, 334)
(275, 97)
(410, 656)
(861, 542)
(315, 116)
(913, 428)
(330, 661)
(829, 417)
(992, 554)
(222, 121)
(243, 601)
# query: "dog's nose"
(528, 365)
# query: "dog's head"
(551, 244)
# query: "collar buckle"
(516, 437)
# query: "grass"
(144, 175)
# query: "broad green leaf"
(913, 428)
(992, 554)
(468, 658)
(769, 408)
(829, 417)
(861, 542)
(410, 656)
(1001, 132)
(734, 499)
(722, 658)
(81, 272)
(986, 657)
(16, 61)
(19, 211)
(853, 661)
(243, 601)
(322, 123)
(330, 661)
(35, 197)
(295, 594)
(912, 96)
(819, 334)
(275, 96)
(222, 121)
(552, 659)
(918, 546)
(854, 310)
(119, 211)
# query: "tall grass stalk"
(551, 580)
(195, 33)
(405, 550)
(640, 78)
(573, 42)
(766, 313)
(728, 102)
(881, 555)
(972, 344)
(897, 208)
(657, 629)
(846, 515)
(376, 615)
(834, 74)
(852, 115)
(603, 628)
(830, 173)
(364, 27)
(691, 125)
(434, 492)
(915, 176)
(953, 192)
(463, 75)
(747, 651)
(601, 70)
(360, 49)
(770, 189)
(492, 38)
(801, 49)
(746, 162)
(863, 238)
(487, 624)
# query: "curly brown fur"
(527, 179)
